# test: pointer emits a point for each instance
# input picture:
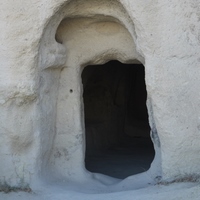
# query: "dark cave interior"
(118, 140)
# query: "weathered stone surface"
(44, 46)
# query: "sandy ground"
(180, 191)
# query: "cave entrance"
(118, 140)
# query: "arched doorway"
(84, 37)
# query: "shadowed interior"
(118, 140)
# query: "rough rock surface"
(44, 46)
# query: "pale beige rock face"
(44, 47)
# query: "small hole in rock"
(71, 90)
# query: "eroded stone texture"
(44, 47)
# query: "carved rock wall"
(41, 121)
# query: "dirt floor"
(176, 191)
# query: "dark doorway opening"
(118, 140)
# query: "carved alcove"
(84, 33)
